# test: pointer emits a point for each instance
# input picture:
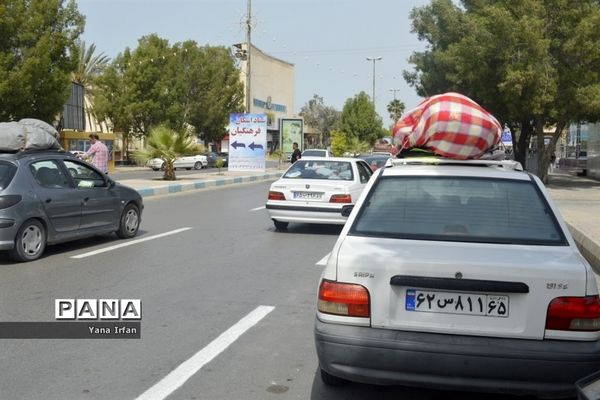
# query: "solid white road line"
(185, 371)
(130, 243)
(323, 261)
(258, 208)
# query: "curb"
(204, 184)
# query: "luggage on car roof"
(450, 125)
(28, 134)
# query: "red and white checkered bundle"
(450, 125)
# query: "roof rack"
(504, 164)
(26, 152)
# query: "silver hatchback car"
(49, 197)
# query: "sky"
(328, 41)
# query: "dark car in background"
(48, 197)
(376, 160)
(212, 158)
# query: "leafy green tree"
(396, 109)
(320, 117)
(168, 145)
(360, 119)
(208, 88)
(356, 146)
(182, 86)
(339, 143)
(135, 91)
(38, 52)
(111, 102)
(219, 163)
(532, 63)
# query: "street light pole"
(374, 59)
(248, 52)
(395, 90)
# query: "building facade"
(593, 150)
(271, 89)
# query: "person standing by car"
(296, 154)
(99, 151)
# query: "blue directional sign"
(507, 136)
(247, 142)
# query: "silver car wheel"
(131, 221)
(31, 240)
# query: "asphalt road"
(194, 286)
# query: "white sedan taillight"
(574, 314)
(345, 299)
(340, 198)
(276, 195)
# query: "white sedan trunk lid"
(312, 190)
(546, 272)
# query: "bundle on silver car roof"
(28, 134)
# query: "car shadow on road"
(80, 245)
(310, 229)
(358, 391)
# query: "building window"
(74, 110)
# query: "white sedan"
(458, 274)
(315, 190)
(198, 161)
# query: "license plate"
(308, 195)
(489, 305)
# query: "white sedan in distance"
(198, 161)
(316, 153)
(315, 190)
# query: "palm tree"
(168, 145)
(90, 65)
(396, 109)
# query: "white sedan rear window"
(458, 209)
(338, 170)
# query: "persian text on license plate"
(308, 195)
(457, 303)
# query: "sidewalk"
(578, 199)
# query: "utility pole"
(248, 52)
(395, 90)
(374, 59)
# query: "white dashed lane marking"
(130, 243)
(176, 378)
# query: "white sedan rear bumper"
(322, 214)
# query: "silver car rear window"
(460, 209)
(7, 172)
